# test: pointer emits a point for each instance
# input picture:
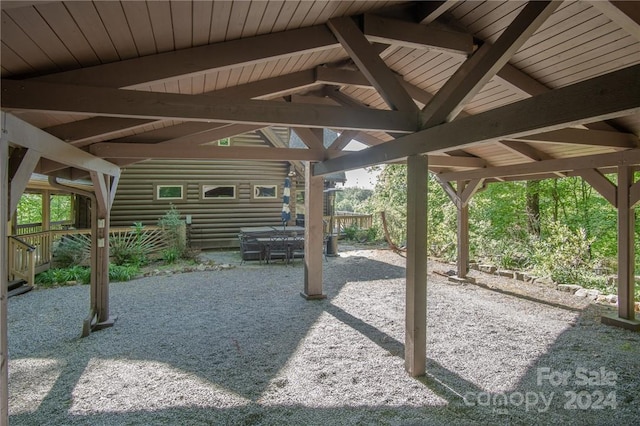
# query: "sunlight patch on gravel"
(133, 385)
(30, 381)
(360, 374)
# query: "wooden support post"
(100, 251)
(313, 233)
(463, 234)
(626, 254)
(415, 346)
(4, 275)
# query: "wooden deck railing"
(35, 250)
(21, 260)
(32, 228)
(343, 221)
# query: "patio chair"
(249, 247)
(278, 248)
(296, 248)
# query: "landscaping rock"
(544, 281)
(506, 273)
(569, 288)
(490, 269)
(589, 294)
(611, 298)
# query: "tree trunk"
(533, 207)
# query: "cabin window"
(265, 192)
(218, 192)
(169, 192)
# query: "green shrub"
(170, 255)
(74, 249)
(351, 232)
(174, 229)
(61, 276)
(125, 249)
(122, 272)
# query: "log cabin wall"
(215, 222)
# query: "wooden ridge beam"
(30, 95)
(611, 95)
(152, 69)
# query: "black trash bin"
(332, 245)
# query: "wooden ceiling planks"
(161, 19)
(550, 55)
(87, 18)
(113, 16)
(41, 34)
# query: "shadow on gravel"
(238, 329)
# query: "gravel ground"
(240, 346)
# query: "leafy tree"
(352, 199)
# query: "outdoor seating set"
(277, 245)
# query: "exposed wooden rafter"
(624, 13)
(631, 157)
(392, 31)
(147, 70)
(611, 95)
(373, 68)
(141, 151)
(76, 99)
(476, 71)
(21, 133)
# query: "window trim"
(209, 186)
(158, 186)
(255, 197)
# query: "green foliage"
(390, 196)
(125, 250)
(74, 249)
(354, 233)
(170, 255)
(135, 247)
(353, 199)
(30, 208)
(80, 274)
(174, 229)
(351, 232)
(62, 276)
(122, 272)
(577, 234)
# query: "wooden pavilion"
(474, 91)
